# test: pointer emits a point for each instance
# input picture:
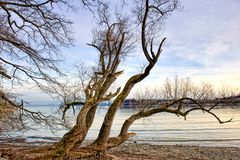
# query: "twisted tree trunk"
(74, 138)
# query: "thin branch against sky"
(203, 41)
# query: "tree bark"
(104, 132)
(74, 138)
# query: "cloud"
(203, 38)
(203, 42)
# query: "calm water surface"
(164, 128)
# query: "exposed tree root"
(50, 153)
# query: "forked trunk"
(74, 138)
(104, 133)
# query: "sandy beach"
(174, 152)
(135, 151)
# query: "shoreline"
(232, 142)
(140, 151)
(174, 152)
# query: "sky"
(203, 44)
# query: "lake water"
(164, 128)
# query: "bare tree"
(113, 40)
(31, 34)
(70, 92)
(227, 91)
(176, 88)
(113, 43)
(181, 106)
(182, 87)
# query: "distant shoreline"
(38, 140)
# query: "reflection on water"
(165, 128)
